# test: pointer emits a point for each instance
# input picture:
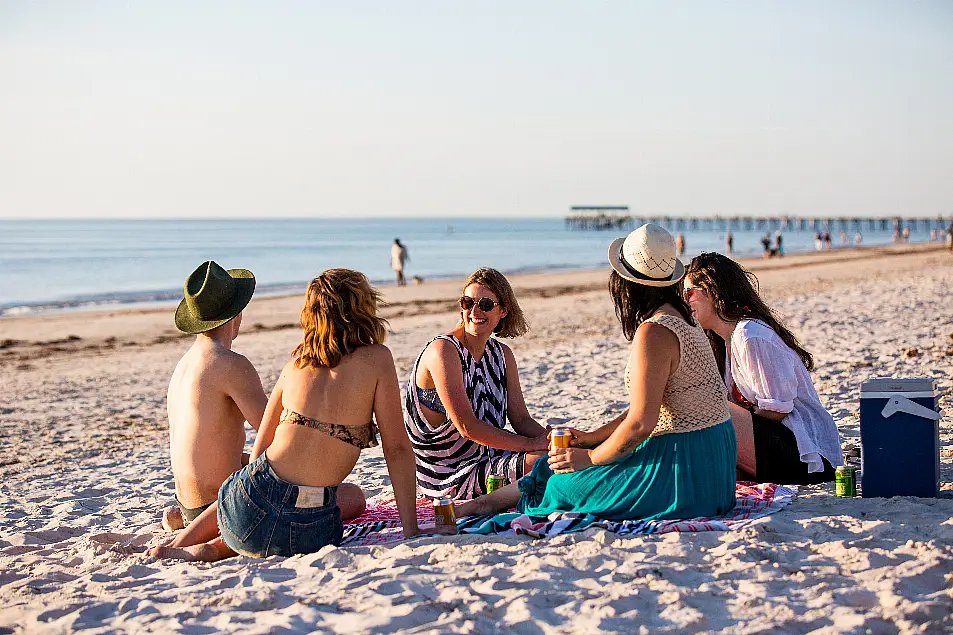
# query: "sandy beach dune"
(84, 474)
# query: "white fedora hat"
(647, 256)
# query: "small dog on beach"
(418, 280)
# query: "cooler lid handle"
(899, 403)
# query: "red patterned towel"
(380, 523)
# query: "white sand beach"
(84, 475)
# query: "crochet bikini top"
(361, 436)
(695, 397)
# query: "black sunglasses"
(486, 304)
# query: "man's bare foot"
(198, 553)
(172, 519)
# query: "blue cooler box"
(899, 437)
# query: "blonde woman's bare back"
(326, 416)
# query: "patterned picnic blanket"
(380, 523)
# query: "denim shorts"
(261, 515)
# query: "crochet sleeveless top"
(695, 397)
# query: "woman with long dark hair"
(671, 454)
(784, 433)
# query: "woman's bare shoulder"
(374, 354)
(440, 348)
(654, 334)
(506, 350)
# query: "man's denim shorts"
(261, 515)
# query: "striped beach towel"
(380, 523)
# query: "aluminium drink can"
(444, 518)
(494, 482)
(844, 481)
(560, 439)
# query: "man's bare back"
(212, 393)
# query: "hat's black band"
(642, 276)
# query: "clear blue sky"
(237, 109)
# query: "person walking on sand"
(778, 244)
(213, 391)
(766, 245)
(680, 244)
(729, 244)
(398, 256)
(338, 390)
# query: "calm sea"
(49, 265)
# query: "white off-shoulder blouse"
(768, 373)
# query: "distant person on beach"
(906, 234)
(949, 237)
(339, 389)
(729, 244)
(827, 240)
(213, 391)
(766, 245)
(680, 244)
(778, 242)
(818, 241)
(672, 453)
(784, 433)
(462, 390)
(398, 256)
(858, 239)
(843, 239)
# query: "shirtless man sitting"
(213, 391)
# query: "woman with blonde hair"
(463, 388)
(339, 389)
(671, 454)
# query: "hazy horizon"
(429, 110)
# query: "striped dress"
(449, 465)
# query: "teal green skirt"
(671, 476)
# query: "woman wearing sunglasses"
(784, 433)
(671, 454)
(463, 388)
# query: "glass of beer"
(444, 517)
(559, 439)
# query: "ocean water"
(57, 264)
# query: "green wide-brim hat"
(213, 296)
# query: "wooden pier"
(598, 217)
(618, 217)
